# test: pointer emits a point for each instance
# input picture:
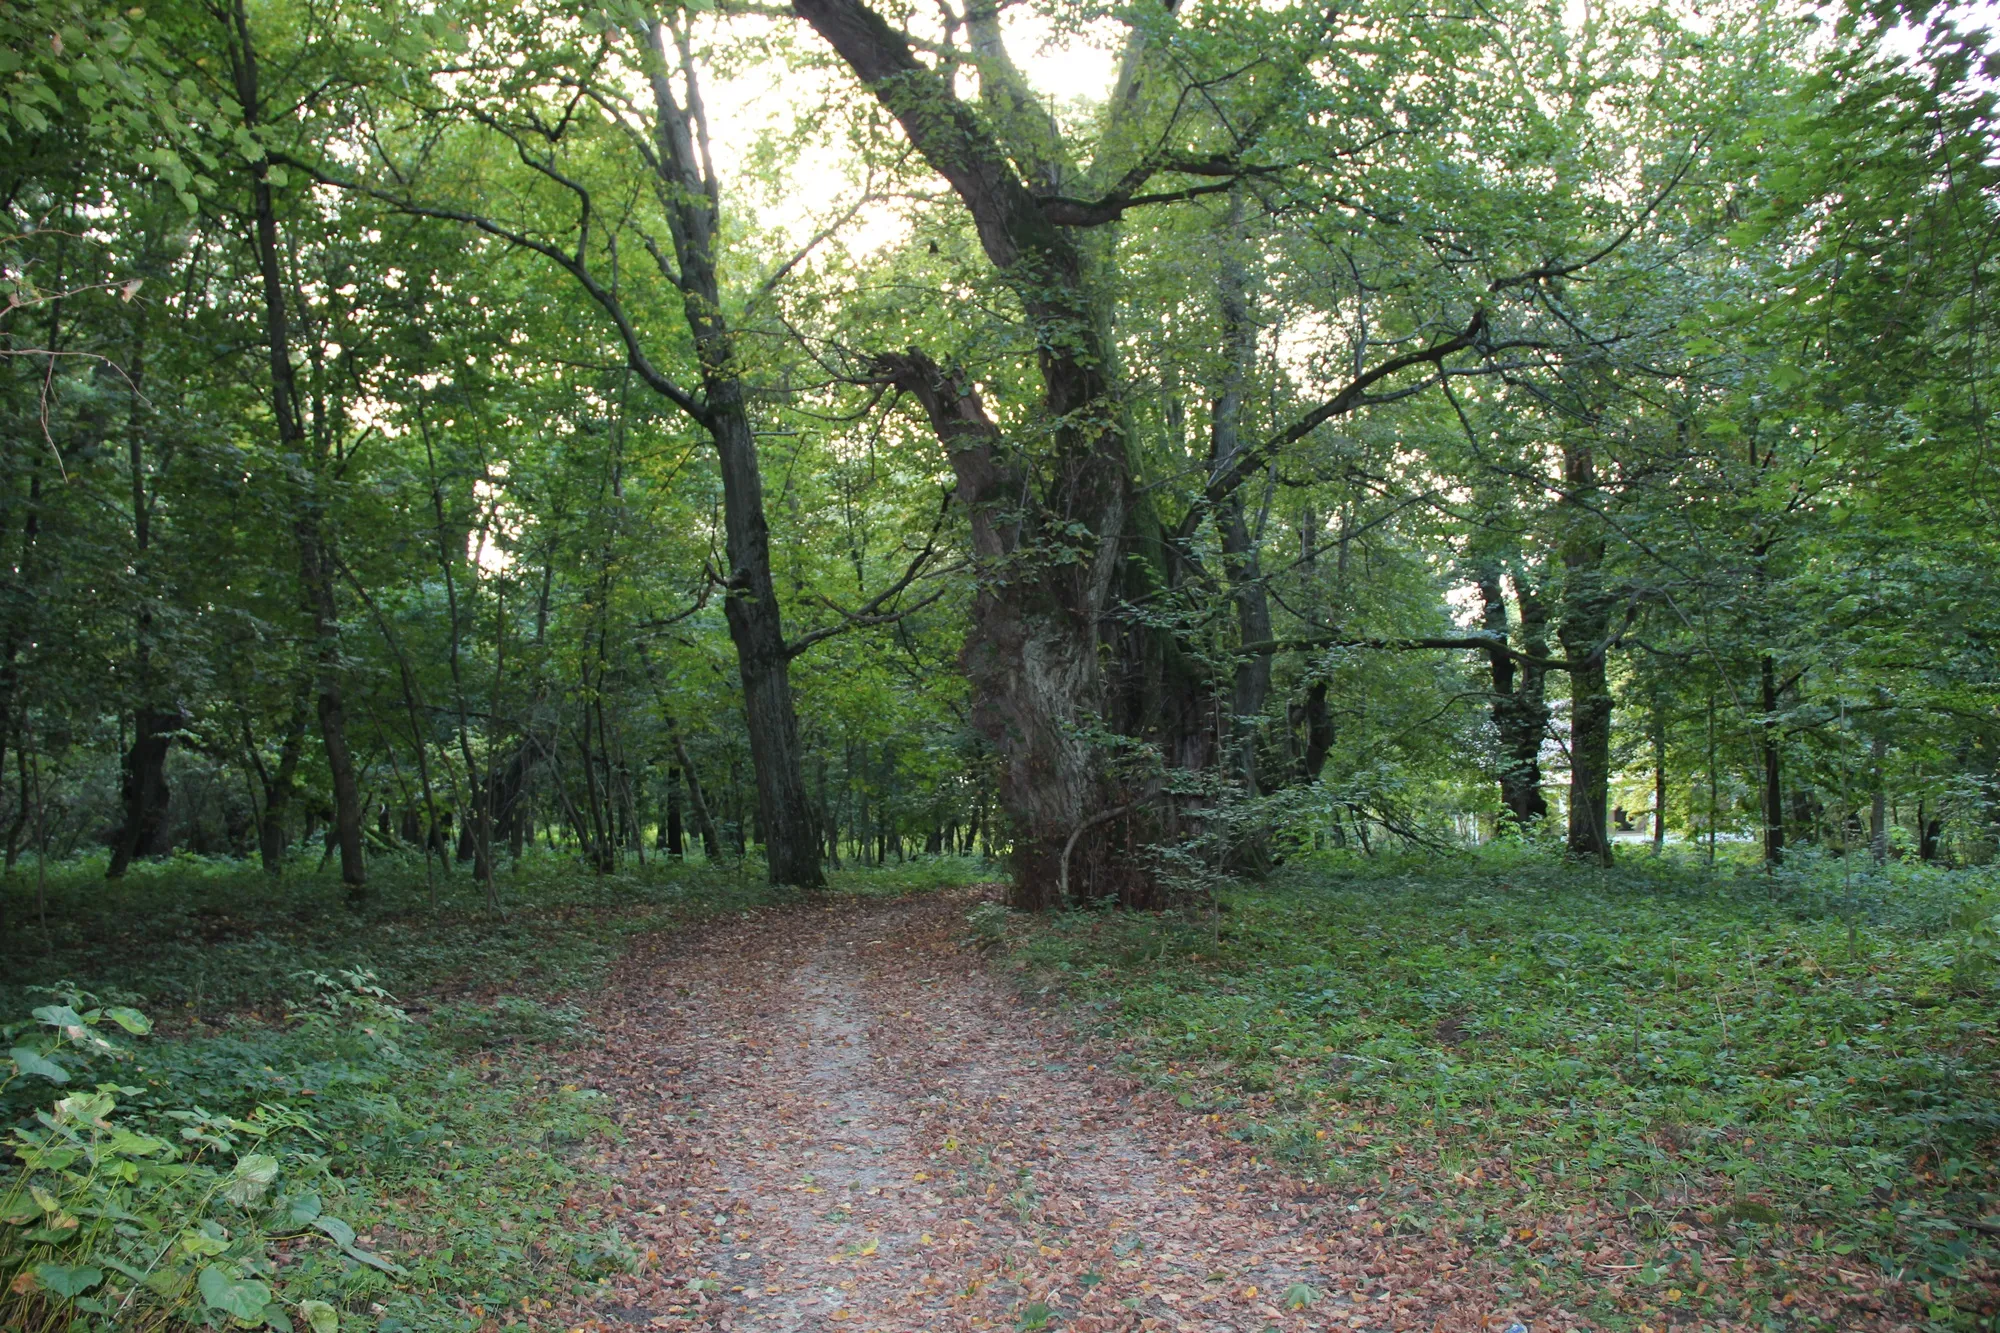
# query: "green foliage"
(986, 926)
(1497, 1036)
(202, 938)
(249, 1162)
(127, 1210)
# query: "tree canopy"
(845, 432)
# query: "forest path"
(836, 1119)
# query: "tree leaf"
(319, 1316)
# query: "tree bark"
(676, 837)
(144, 779)
(1585, 622)
(711, 840)
(1033, 664)
(784, 806)
(316, 564)
(1251, 688)
(278, 786)
(1062, 524)
(475, 842)
(1659, 771)
(144, 788)
(1520, 709)
(1047, 566)
(1319, 732)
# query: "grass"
(445, 1129)
(1799, 1069)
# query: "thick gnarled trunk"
(1062, 523)
(1038, 690)
(1048, 532)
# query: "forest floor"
(839, 1119)
(1368, 1093)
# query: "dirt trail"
(836, 1119)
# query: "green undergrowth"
(203, 938)
(1802, 1065)
(357, 1115)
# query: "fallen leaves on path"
(835, 1119)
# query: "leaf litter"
(834, 1118)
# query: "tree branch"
(628, 333)
(1248, 462)
(1482, 642)
(870, 612)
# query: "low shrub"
(128, 1213)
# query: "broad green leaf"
(131, 1020)
(319, 1316)
(86, 1106)
(245, 1298)
(376, 1261)
(341, 1233)
(197, 1244)
(252, 1177)
(31, 1062)
(66, 1281)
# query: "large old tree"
(1070, 530)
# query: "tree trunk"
(19, 590)
(711, 840)
(785, 813)
(1585, 622)
(475, 843)
(1060, 525)
(316, 565)
(1878, 804)
(1319, 732)
(1659, 772)
(1033, 663)
(1046, 567)
(144, 789)
(279, 787)
(784, 805)
(144, 785)
(1520, 712)
(1251, 688)
(1773, 793)
(676, 837)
